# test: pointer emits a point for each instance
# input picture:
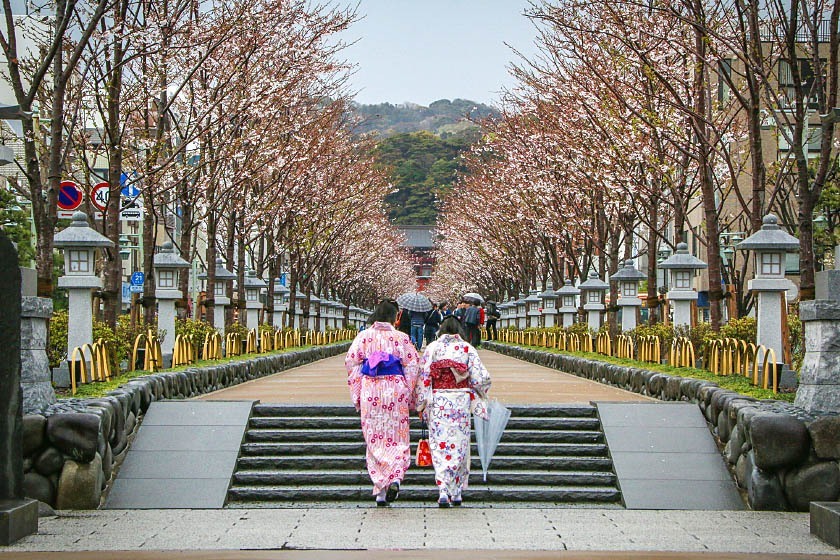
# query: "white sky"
(425, 50)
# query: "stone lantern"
(682, 293)
(568, 303)
(549, 304)
(769, 244)
(326, 314)
(316, 310)
(80, 243)
(593, 292)
(253, 287)
(220, 299)
(503, 312)
(339, 315)
(628, 278)
(521, 311)
(167, 262)
(298, 310)
(532, 308)
(281, 302)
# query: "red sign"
(69, 195)
(99, 195)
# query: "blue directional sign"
(129, 191)
(138, 279)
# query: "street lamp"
(167, 263)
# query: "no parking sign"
(69, 198)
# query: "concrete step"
(351, 422)
(355, 435)
(300, 410)
(357, 462)
(411, 493)
(421, 476)
(358, 448)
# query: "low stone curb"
(70, 450)
(782, 455)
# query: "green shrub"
(579, 329)
(198, 329)
(796, 336)
(745, 328)
(57, 344)
(237, 328)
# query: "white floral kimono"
(447, 407)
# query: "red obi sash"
(443, 378)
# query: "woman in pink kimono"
(382, 366)
(453, 383)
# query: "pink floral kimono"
(384, 400)
(453, 381)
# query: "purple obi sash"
(382, 363)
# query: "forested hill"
(443, 117)
(423, 167)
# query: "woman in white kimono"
(453, 383)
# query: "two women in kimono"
(382, 366)
(453, 385)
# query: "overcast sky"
(424, 50)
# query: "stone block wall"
(71, 448)
(783, 456)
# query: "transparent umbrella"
(414, 302)
(489, 432)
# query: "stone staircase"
(305, 454)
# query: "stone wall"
(783, 456)
(71, 448)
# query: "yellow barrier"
(212, 349)
(266, 340)
(604, 344)
(233, 345)
(574, 343)
(624, 347)
(650, 349)
(251, 342)
(279, 340)
(730, 356)
(152, 357)
(100, 352)
(681, 353)
(185, 351)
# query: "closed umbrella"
(414, 302)
(489, 432)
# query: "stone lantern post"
(504, 320)
(253, 287)
(769, 244)
(339, 319)
(316, 310)
(532, 309)
(682, 266)
(220, 299)
(593, 292)
(549, 304)
(326, 314)
(167, 262)
(568, 303)
(80, 243)
(628, 278)
(299, 297)
(281, 303)
(521, 312)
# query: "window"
(811, 139)
(629, 289)
(535, 306)
(253, 295)
(80, 260)
(806, 74)
(549, 303)
(771, 264)
(166, 279)
(568, 301)
(724, 76)
(594, 296)
(219, 289)
(792, 264)
(682, 280)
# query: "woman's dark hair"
(385, 312)
(450, 325)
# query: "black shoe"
(381, 503)
(393, 492)
(456, 503)
(443, 502)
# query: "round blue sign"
(137, 278)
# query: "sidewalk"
(423, 529)
(514, 382)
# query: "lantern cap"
(628, 273)
(769, 238)
(253, 281)
(568, 289)
(549, 292)
(521, 300)
(280, 288)
(80, 234)
(594, 283)
(168, 257)
(533, 297)
(683, 260)
(222, 273)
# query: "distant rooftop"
(418, 237)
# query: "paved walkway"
(514, 382)
(423, 530)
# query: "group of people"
(445, 385)
(471, 314)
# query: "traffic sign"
(135, 289)
(69, 198)
(137, 278)
(99, 195)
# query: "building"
(420, 241)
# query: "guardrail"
(101, 354)
(731, 356)
(185, 351)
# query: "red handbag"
(424, 452)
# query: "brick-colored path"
(514, 382)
